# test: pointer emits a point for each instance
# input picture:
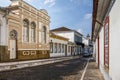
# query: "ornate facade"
(28, 32)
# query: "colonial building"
(73, 36)
(105, 34)
(58, 46)
(27, 33)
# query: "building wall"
(77, 37)
(3, 30)
(115, 41)
(114, 66)
(69, 35)
(29, 50)
(101, 55)
(96, 50)
(3, 38)
(58, 41)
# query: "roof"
(62, 29)
(100, 10)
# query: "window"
(69, 49)
(106, 43)
(55, 48)
(51, 47)
(33, 27)
(25, 30)
(62, 48)
(59, 48)
(44, 34)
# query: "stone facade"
(31, 41)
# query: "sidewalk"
(22, 64)
(93, 72)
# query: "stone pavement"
(22, 64)
(93, 72)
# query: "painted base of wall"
(57, 54)
(33, 54)
(4, 56)
(23, 55)
(105, 74)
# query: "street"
(66, 70)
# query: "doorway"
(65, 50)
(13, 39)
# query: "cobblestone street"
(66, 70)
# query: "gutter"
(95, 7)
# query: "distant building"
(73, 36)
(88, 45)
(105, 34)
(24, 32)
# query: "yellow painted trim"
(58, 37)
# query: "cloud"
(80, 31)
(50, 3)
(88, 16)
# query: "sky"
(73, 14)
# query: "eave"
(100, 9)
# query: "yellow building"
(28, 32)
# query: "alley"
(67, 70)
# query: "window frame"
(106, 42)
(33, 31)
(26, 30)
(44, 34)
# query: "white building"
(73, 36)
(58, 46)
(105, 34)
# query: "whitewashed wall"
(96, 50)
(101, 47)
(54, 40)
(115, 41)
(3, 31)
(114, 55)
(101, 41)
(69, 35)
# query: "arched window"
(44, 34)
(33, 26)
(25, 30)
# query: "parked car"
(86, 54)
